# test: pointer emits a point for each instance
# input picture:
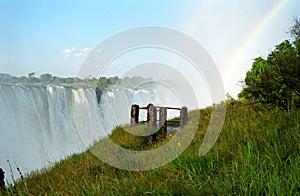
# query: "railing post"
(183, 116)
(134, 114)
(163, 119)
(151, 115)
(2, 180)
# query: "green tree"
(70, 80)
(5, 77)
(102, 83)
(276, 80)
(46, 78)
(254, 84)
(31, 75)
(286, 61)
(113, 80)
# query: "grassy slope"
(256, 153)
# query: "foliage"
(102, 83)
(48, 79)
(31, 75)
(116, 82)
(275, 80)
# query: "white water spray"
(40, 125)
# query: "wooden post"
(151, 115)
(183, 116)
(163, 119)
(2, 181)
(134, 114)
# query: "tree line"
(48, 79)
(275, 80)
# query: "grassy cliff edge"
(258, 152)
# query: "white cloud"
(69, 52)
(74, 52)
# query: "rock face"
(98, 94)
(2, 182)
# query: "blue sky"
(54, 36)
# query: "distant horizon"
(36, 76)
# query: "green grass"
(257, 153)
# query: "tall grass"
(257, 153)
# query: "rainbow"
(258, 27)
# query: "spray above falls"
(41, 125)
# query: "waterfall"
(40, 125)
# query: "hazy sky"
(44, 36)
